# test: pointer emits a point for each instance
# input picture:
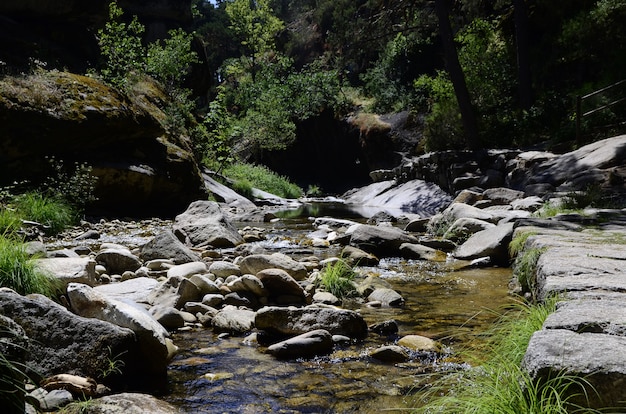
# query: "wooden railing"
(580, 101)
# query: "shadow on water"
(226, 375)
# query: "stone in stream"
(289, 321)
(421, 252)
(382, 241)
(222, 268)
(131, 403)
(390, 353)
(187, 269)
(419, 343)
(386, 296)
(175, 292)
(306, 345)
(170, 318)
(491, 242)
(117, 261)
(389, 327)
(68, 270)
(357, 257)
(233, 320)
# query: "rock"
(175, 292)
(357, 257)
(414, 196)
(307, 345)
(532, 203)
(151, 336)
(464, 227)
(135, 290)
(381, 241)
(76, 385)
(35, 248)
(390, 353)
(420, 252)
(204, 224)
(204, 284)
(186, 270)
(468, 197)
(221, 268)
(70, 270)
(326, 298)
(255, 263)
(459, 210)
(438, 244)
(596, 358)
(278, 282)
(380, 218)
(213, 300)
(130, 403)
(419, 225)
(233, 320)
(492, 242)
(88, 235)
(118, 260)
(388, 297)
(371, 283)
(502, 195)
(250, 284)
(50, 401)
(13, 348)
(419, 343)
(389, 327)
(165, 245)
(154, 173)
(240, 300)
(61, 341)
(291, 321)
(170, 318)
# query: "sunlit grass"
(19, 271)
(52, 212)
(336, 278)
(247, 175)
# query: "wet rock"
(255, 263)
(250, 284)
(388, 297)
(233, 320)
(289, 321)
(389, 327)
(213, 300)
(390, 353)
(204, 224)
(70, 270)
(307, 345)
(370, 284)
(381, 217)
(419, 225)
(89, 235)
(419, 343)
(357, 257)
(381, 241)
(421, 252)
(166, 245)
(50, 401)
(135, 290)
(239, 300)
(439, 244)
(326, 298)
(205, 284)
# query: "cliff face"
(141, 170)
(61, 33)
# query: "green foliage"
(262, 178)
(336, 278)
(12, 374)
(519, 241)
(9, 221)
(114, 365)
(53, 212)
(120, 46)
(168, 61)
(75, 185)
(499, 384)
(525, 268)
(19, 272)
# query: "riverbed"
(443, 300)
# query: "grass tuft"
(53, 212)
(337, 278)
(262, 178)
(498, 384)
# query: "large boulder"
(290, 321)
(310, 344)
(203, 224)
(381, 241)
(234, 320)
(151, 336)
(129, 403)
(165, 245)
(63, 342)
(492, 242)
(70, 269)
(118, 260)
(279, 283)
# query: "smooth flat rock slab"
(590, 315)
(598, 358)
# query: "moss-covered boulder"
(141, 169)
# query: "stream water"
(217, 374)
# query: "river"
(444, 301)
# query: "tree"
(257, 26)
(456, 75)
(520, 15)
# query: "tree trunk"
(456, 75)
(524, 80)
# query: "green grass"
(519, 241)
(10, 222)
(262, 178)
(54, 213)
(498, 384)
(19, 272)
(336, 278)
(525, 268)
(12, 376)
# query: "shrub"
(52, 212)
(337, 278)
(75, 185)
(264, 179)
(19, 272)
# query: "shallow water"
(225, 375)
